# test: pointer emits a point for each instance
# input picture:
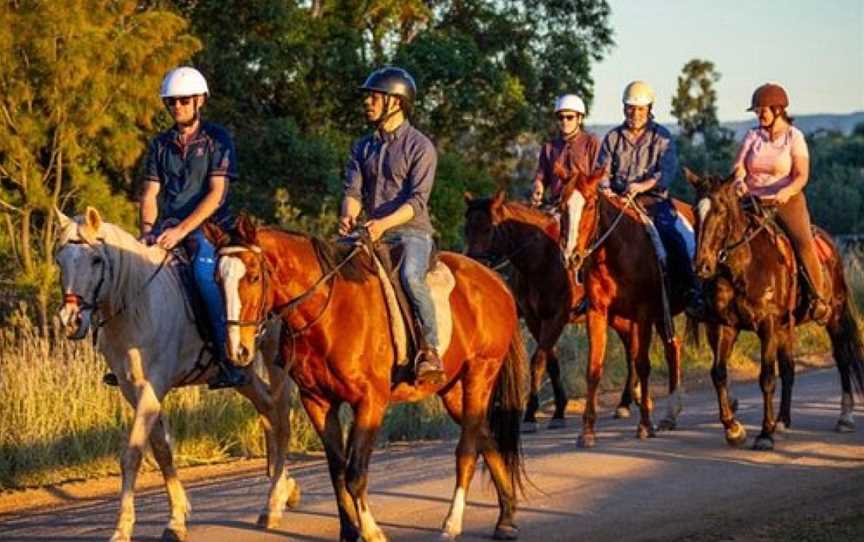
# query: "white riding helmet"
(638, 93)
(570, 102)
(183, 81)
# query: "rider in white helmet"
(641, 160)
(575, 150)
(186, 177)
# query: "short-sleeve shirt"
(386, 171)
(184, 171)
(576, 154)
(769, 163)
(653, 155)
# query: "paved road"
(683, 485)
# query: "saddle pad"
(441, 282)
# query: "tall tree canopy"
(77, 84)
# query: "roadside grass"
(59, 423)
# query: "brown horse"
(338, 340)
(751, 283)
(623, 285)
(497, 230)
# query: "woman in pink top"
(773, 164)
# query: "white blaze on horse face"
(231, 270)
(703, 208)
(575, 206)
(78, 279)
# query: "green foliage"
(835, 192)
(77, 80)
(695, 101)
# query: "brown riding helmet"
(769, 95)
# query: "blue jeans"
(417, 248)
(680, 269)
(203, 255)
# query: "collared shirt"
(386, 171)
(653, 155)
(577, 153)
(184, 171)
(769, 163)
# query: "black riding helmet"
(393, 81)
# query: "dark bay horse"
(752, 284)
(500, 230)
(623, 285)
(337, 338)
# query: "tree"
(695, 101)
(78, 82)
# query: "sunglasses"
(182, 100)
(567, 117)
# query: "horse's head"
(581, 193)
(719, 217)
(244, 276)
(481, 218)
(84, 268)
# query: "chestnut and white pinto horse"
(150, 341)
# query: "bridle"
(580, 256)
(763, 218)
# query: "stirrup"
(820, 310)
(430, 368)
(228, 377)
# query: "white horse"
(149, 338)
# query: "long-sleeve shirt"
(386, 171)
(653, 155)
(575, 154)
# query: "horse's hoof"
(643, 432)
(736, 435)
(845, 426)
(120, 537)
(506, 532)
(557, 423)
(269, 521)
(667, 424)
(529, 427)
(733, 405)
(174, 535)
(780, 427)
(294, 499)
(763, 444)
(586, 441)
(622, 413)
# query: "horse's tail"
(505, 416)
(847, 344)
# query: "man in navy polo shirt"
(186, 179)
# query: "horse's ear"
(499, 198)
(469, 197)
(216, 235)
(62, 219)
(89, 230)
(247, 230)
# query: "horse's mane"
(330, 254)
(525, 213)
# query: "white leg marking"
(453, 524)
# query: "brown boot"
(430, 369)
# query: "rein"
(749, 234)
(582, 255)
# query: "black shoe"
(430, 369)
(696, 307)
(228, 376)
(110, 379)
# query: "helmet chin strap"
(387, 114)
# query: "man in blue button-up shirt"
(640, 159)
(389, 176)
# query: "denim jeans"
(680, 268)
(203, 255)
(417, 248)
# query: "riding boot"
(229, 376)
(429, 368)
(696, 307)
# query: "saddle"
(404, 325)
(181, 265)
